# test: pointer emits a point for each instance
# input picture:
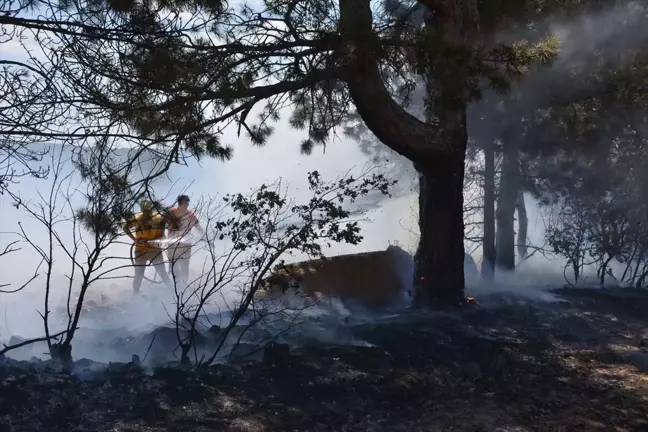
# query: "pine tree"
(177, 83)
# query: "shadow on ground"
(511, 366)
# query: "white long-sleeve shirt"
(186, 223)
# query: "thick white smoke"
(110, 304)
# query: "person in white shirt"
(179, 251)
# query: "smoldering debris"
(495, 318)
(480, 358)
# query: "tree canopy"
(177, 73)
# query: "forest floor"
(572, 365)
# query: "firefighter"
(182, 221)
(149, 226)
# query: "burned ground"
(578, 364)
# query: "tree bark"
(523, 225)
(506, 200)
(62, 354)
(439, 259)
(421, 142)
(488, 247)
(437, 148)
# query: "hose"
(132, 257)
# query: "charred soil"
(509, 365)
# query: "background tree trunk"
(523, 225)
(488, 247)
(505, 214)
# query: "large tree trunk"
(523, 225)
(437, 149)
(506, 200)
(439, 259)
(439, 278)
(488, 246)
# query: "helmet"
(147, 206)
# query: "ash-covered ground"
(508, 363)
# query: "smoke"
(115, 323)
(591, 41)
(112, 312)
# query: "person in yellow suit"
(149, 225)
